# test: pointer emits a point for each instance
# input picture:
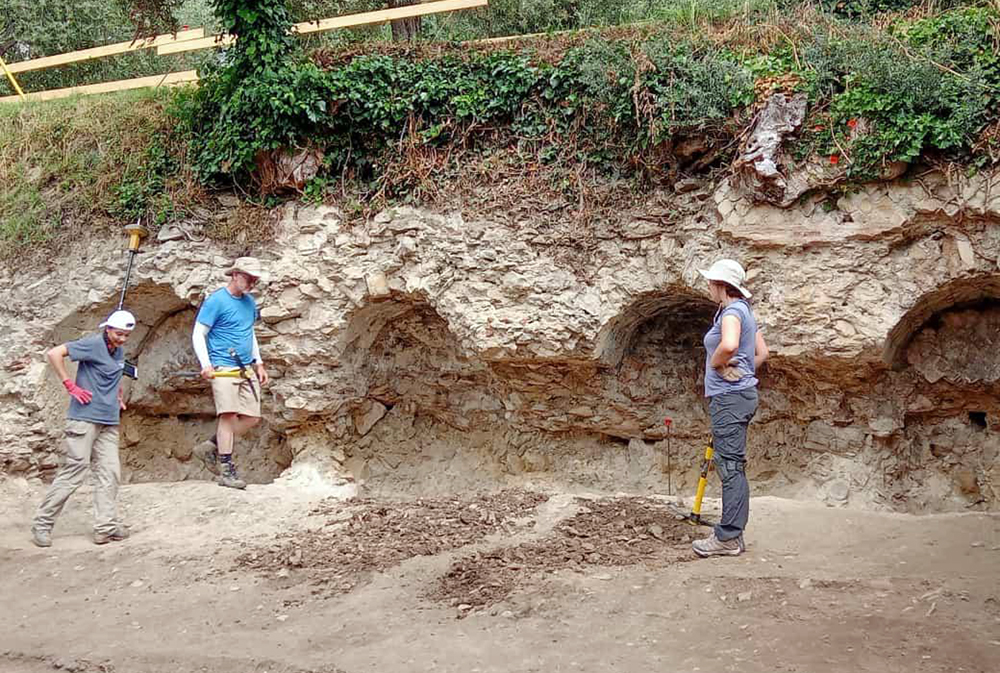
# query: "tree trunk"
(405, 29)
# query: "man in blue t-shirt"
(224, 341)
(95, 407)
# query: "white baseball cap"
(120, 320)
(728, 271)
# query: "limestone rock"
(370, 413)
(837, 491)
(761, 162)
(378, 287)
(286, 170)
(500, 348)
(275, 314)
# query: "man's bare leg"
(225, 434)
(230, 427)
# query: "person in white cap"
(734, 350)
(224, 339)
(95, 408)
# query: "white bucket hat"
(728, 271)
(250, 266)
(120, 320)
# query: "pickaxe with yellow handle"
(221, 374)
(694, 517)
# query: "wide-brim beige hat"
(250, 266)
(728, 271)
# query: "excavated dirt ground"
(381, 534)
(609, 532)
(277, 579)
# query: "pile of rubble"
(606, 532)
(363, 536)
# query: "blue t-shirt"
(100, 372)
(714, 383)
(230, 321)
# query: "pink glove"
(77, 393)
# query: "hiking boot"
(712, 546)
(208, 453)
(229, 478)
(41, 538)
(117, 535)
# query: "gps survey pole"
(136, 232)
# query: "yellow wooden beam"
(385, 15)
(194, 45)
(106, 50)
(169, 79)
(346, 21)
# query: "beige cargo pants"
(87, 445)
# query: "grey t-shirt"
(715, 384)
(100, 372)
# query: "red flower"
(851, 123)
(834, 159)
(817, 128)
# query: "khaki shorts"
(233, 398)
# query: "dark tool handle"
(128, 274)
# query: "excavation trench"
(412, 411)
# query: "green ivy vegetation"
(913, 87)
(262, 95)
(376, 99)
(877, 96)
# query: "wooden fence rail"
(194, 40)
(106, 50)
(169, 79)
(346, 21)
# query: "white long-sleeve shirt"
(199, 339)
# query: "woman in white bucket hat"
(734, 349)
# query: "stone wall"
(425, 350)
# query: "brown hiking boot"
(229, 478)
(117, 535)
(712, 546)
(40, 537)
(208, 453)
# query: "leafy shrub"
(966, 40)
(692, 90)
(912, 98)
(260, 96)
(855, 9)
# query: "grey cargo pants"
(87, 445)
(731, 414)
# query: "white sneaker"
(712, 546)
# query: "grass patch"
(87, 164)
(24, 219)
